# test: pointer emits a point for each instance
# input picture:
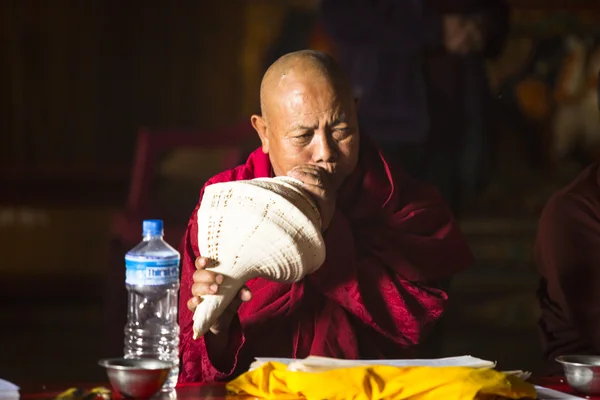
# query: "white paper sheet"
(8, 390)
(551, 394)
(320, 363)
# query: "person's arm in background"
(567, 252)
(479, 26)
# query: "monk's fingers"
(201, 262)
(204, 288)
(245, 294)
(207, 276)
(303, 176)
(318, 192)
(311, 169)
(194, 302)
(204, 262)
(308, 177)
(308, 171)
(308, 168)
(316, 175)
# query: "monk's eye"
(303, 138)
(342, 133)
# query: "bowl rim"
(107, 363)
(561, 360)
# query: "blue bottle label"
(151, 271)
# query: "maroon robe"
(390, 243)
(567, 252)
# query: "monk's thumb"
(245, 294)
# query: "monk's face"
(309, 122)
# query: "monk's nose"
(325, 150)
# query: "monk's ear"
(260, 125)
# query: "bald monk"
(567, 253)
(391, 242)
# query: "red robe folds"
(389, 244)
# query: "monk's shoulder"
(569, 224)
(256, 166)
(389, 180)
(579, 201)
(238, 173)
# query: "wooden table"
(216, 391)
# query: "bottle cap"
(152, 227)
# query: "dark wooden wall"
(78, 78)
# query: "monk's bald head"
(301, 68)
(308, 116)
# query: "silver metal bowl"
(582, 372)
(139, 377)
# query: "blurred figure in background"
(418, 70)
(567, 254)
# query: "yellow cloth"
(273, 380)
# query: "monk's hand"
(463, 35)
(317, 181)
(208, 282)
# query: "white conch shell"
(264, 227)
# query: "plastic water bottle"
(152, 282)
